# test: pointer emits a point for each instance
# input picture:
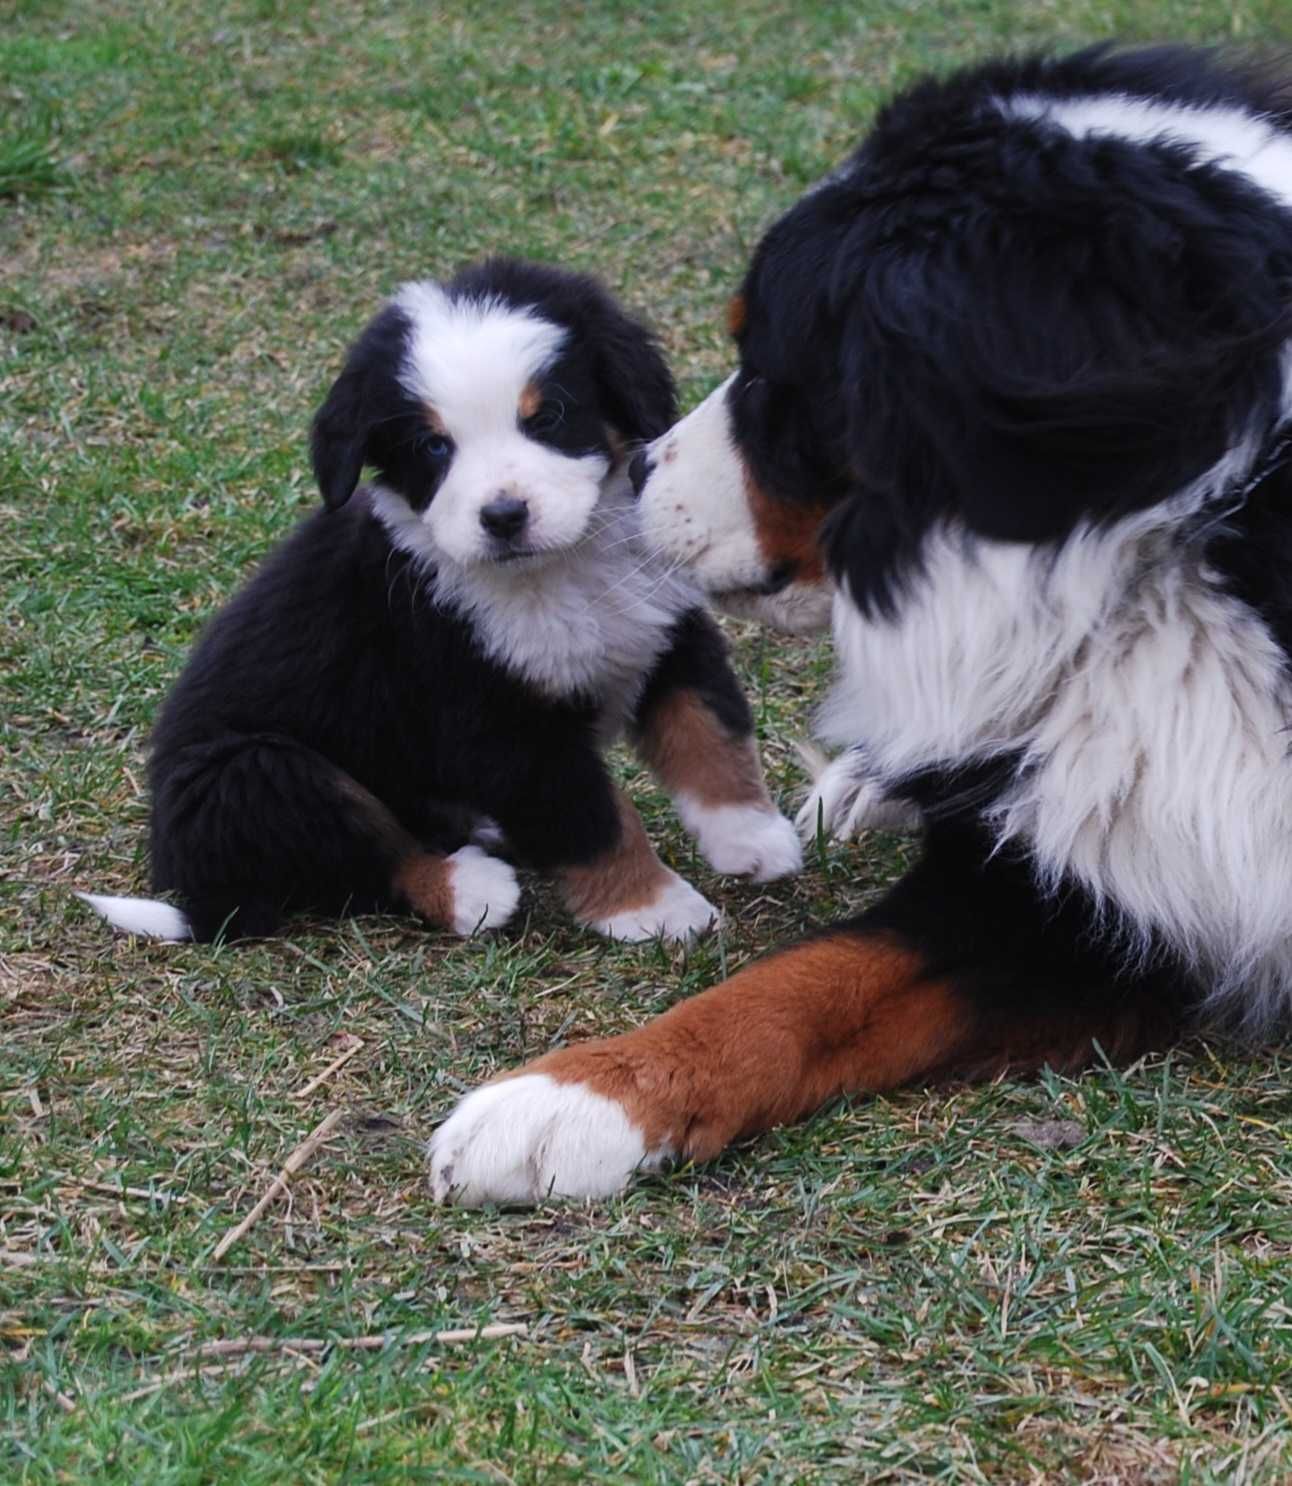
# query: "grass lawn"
(199, 205)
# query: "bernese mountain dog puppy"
(1012, 409)
(440, 658)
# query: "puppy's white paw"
(529, 1137)
(847, 799)
(676, 912)
(485, 890)
(743, 840)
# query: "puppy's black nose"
(505, 516)
(639, 468)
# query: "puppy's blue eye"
(434, 446)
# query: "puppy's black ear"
(342, 429)
(636, 384)
(339, 440)
(1077, 346)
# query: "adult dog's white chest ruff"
(591, 622)
(1147, 710)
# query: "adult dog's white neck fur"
(1219, 134)
(1147, 709)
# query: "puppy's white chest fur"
(590, 621)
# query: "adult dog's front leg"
(965, 969)
(847, 798)
(845, 1013)
(694, 729)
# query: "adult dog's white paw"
(485, 890)
(676, 912)
(743, 840)
(846, 799)
(529, 1137)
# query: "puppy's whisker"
(637, 600)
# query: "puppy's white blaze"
(742, 840)
(527, 1138)
(485, 890)
(470, 359)
(677, 912)
(145, 916)
(1218, 134)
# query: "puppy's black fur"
(334, 721)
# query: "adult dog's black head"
(492, 408)
(1042, 293)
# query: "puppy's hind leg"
(254, 829)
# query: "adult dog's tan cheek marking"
(691, 753)
(737, 311)
(787, 532)
(629, 875)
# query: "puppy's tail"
(147, 916)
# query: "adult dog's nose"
(505, 516)
(639, 468)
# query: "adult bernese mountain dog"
(437, 660)
(1013, 409)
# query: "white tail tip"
(145, 916)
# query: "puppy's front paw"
(745, 840)
(677, 911)
(485, 890)
(529, 1137)
(847, 799)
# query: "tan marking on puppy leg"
(629, 875)
(424, 880)
(692, 754)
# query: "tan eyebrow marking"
(531, 399)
